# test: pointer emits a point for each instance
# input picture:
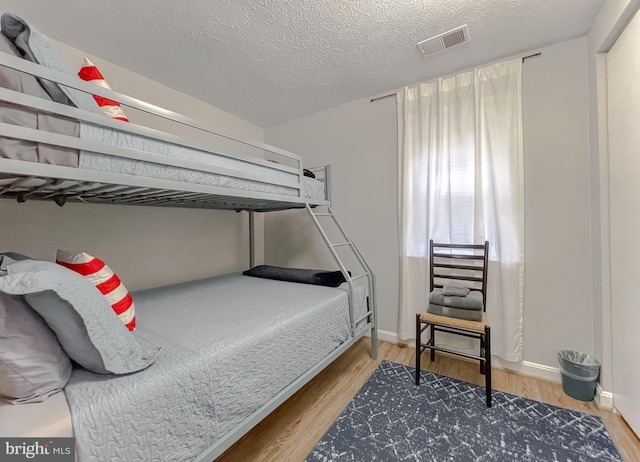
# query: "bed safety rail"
(258, 201)
(88, 87)
(323, 173)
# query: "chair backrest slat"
(458, 256)
(461, 246)
(462, 266)
(459, 278)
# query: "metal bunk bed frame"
(22, 181)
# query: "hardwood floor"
(290, 432)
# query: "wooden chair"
(466, 264)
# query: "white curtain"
(461, 180)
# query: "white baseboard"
(539, 371)
(392, 337)
(604, 399)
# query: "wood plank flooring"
(290, 432)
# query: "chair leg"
(418, 349)
(482, 353)
(432, 356)
(487, 369)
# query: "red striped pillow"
(105, 280)
(90, 73)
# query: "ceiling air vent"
(443, 41)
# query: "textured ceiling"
(270, 61)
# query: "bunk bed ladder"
(370, 315)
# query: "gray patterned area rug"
(392, 419)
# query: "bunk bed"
(248, 343)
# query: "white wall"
(146, 246)
(359, 140)
(558, 297)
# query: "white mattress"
(310, 188)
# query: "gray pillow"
(17, 31)
(86, 326)
(8, 258)
(33, 365)
(38, 48)
(32, 118)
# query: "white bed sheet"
(48, 419)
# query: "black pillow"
(303, 276)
